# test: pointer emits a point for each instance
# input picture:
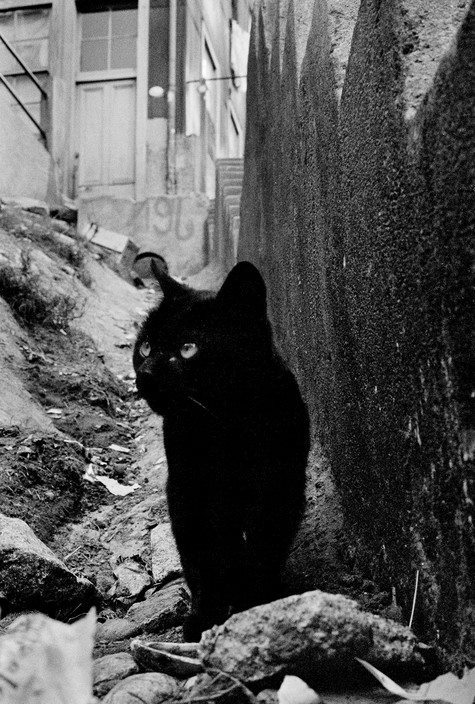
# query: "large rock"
(148, 688)
(167, 607)
(116, 629)
(299, 634)
(132, 580)
(111, 669)
(165, 559)
(32, 577)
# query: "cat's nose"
(146, 368)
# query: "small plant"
(30, 304)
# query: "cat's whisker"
(201, 405)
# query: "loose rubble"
(32, 577)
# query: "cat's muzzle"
(158, 390)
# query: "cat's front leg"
(211, 548)
(208, 609)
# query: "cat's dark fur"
(236, 438)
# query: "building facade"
(142, 97)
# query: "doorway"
(106, 101)
(106, 144)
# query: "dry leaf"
(386, 681)
(447, 688)
(293, 690)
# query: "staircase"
(16, 97)
(229, 175)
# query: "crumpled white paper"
(111, 485)
(43, 661)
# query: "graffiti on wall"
(174, 226)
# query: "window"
(27, 31)
(108, 40)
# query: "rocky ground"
(83, 516)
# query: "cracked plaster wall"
(358, 206)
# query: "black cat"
(236, 438)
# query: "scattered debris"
(119, 246)
(38, 465)
(118, 448)
(115, 487)
(54, 411)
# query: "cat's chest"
(200, 438)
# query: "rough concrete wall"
(358, 205)
(26, 168)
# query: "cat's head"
(199, 346)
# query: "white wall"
(26, 168)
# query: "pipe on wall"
(171, 101)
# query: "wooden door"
(106, 138)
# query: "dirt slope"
(65, 393)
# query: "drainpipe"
(171, 99)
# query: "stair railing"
(15, 95)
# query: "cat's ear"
(170, 287)
(243, 290)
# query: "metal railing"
(13, 92)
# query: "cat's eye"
(188, 350)
(145, 349)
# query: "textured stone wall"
(358, 206)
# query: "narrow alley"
(236, 323)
